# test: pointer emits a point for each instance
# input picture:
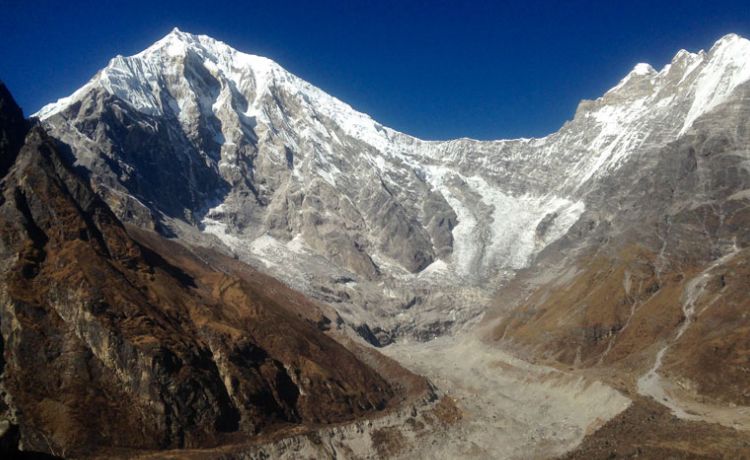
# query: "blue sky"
(434, 69)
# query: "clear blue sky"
(434, 69)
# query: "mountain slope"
(657, 284)
(108, 347)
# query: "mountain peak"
(175, 42)
(729, 39)
(187, 37)
(732, 46)
(177, 34)
(643, 68)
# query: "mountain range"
(612, 252)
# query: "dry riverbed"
(510, 408)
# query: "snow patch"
(496, 230)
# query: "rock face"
(107, 345)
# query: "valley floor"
(510, 408)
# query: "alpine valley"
(205, 256)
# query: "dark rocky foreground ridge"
(109, 347)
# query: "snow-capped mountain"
(406, 235)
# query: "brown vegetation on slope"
(617, 312)
(646, 430)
